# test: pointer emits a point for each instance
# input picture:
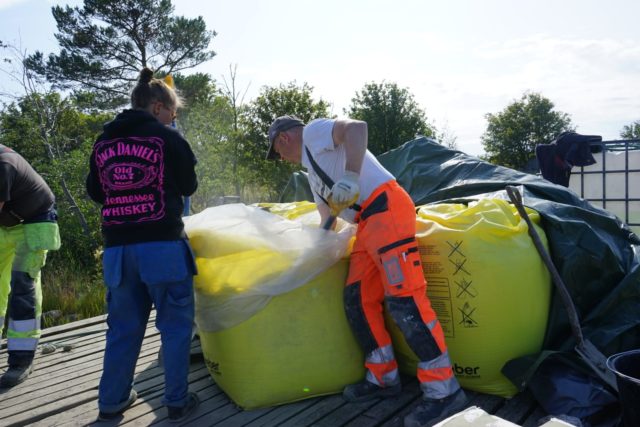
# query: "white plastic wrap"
(247, 255)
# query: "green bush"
(70, 292)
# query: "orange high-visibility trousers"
(385, 270)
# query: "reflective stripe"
(432, 324)
(372, 378)
(381, 355)
(441, 361)
(382, 368)
(24, 325)
(35, 333)
(434, 375)
(29, 344)
(389, 379)
(440, 389)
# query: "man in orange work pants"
(385, 263)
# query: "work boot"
(108, 416)
(178, 414)
(365, 390)
(432, 411)
(16, 374)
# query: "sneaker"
(180, 413)
(365, 390)
(15, 375)
(432, 411)
(108, 416)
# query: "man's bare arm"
(353, 134)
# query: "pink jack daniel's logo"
(131, 175)
(131, 172)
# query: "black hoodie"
(139, 171)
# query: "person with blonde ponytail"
(140, 170)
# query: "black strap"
(318, 170)
(325, 178)
(321, 173)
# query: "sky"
(461, 59)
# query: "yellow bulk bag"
(269, 306)
(488, 286)
(297, 347)
(291, 210)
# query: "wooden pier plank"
(63, 391)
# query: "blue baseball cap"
(281, 124)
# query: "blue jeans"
(137, 276)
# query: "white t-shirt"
(317, 136)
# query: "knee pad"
(22, 303)
(406, 315)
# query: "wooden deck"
(63, 390)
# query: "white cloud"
(596, 81)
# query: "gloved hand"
(346, 190)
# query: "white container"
(610, 184)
